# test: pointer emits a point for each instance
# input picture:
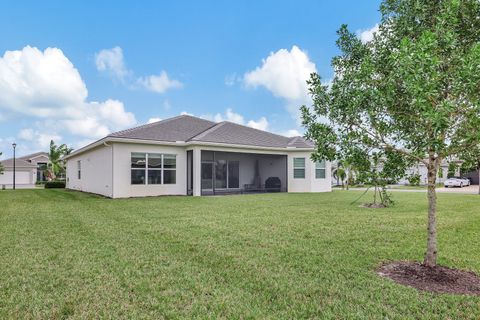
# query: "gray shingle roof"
(23, 160)
(8, 163)
(33, 155)
(181, 128)
(192, 129)
(232, 133)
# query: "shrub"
(414, 180)
(54, 184)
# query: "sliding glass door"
(220, 174)
(233, 174)
(207, 175)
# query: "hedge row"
(54, 184)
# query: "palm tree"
(345, 172)
(56, 165)
(340, 174)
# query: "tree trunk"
(348, 180)
(478, 180)
(431, 254)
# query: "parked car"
(457, 182)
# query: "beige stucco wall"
(96, 171)
(106, 170)
(309, 183)
(122, 171)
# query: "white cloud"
(46, 85)
(40, 140)
(185, 113)
(366, 35)
(154, 119)
(160, 83)
(230, 115)
(291, 133)
(284, 73)
(112, 62)
(261, 124)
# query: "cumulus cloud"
(366, 35)
(46, 85)
(230, 115)
(154, 119)
(261, 124)
(112, 62)
(40, 139)
(160, 83)
(284, 73)
(291, 133)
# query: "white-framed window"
(79, 169)
(154, 171)
(138, 167)
(153, 168)
(320, 169)
(299, 168)
(169, 169)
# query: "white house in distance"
(186, 155)
(28, 170)
(422, 171)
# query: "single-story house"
(186, 155)
(28, 170)
(421, 170)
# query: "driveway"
(469, 189)
(464, 190)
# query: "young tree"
(452, 169)
(413, 90)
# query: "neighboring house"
(421, 169)
(473, 176)
(28, 170)
(186, 155)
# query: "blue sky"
(121, 63)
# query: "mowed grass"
(65, 254)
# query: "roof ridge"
(293, 140)
(32, 155)
(146, 125)
(207, 131)
(18, 161)
(263, 131)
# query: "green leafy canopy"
(413, 90)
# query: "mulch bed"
(436, 279)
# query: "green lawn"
(67, 254)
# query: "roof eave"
(180, 144)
